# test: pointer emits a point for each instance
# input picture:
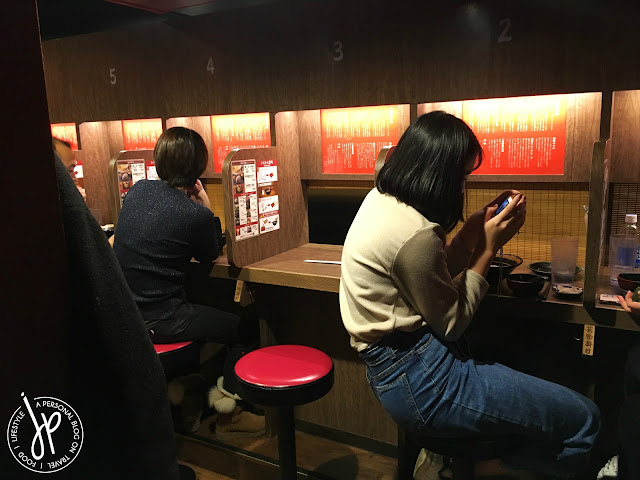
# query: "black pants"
(240, 333)
(629, 420)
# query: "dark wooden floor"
(255, 458)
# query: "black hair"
(427, 168)
(180, 156)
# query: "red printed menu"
(353, 137)
(141, 134)
(129, 172)
(250, 130)
(519, 136)
(66, 132)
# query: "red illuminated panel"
(141, 134)
(353, 137)
(66, 132)
(250, 130)
(519, 136)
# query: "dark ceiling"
(64, 18)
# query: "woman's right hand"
(198, 194)
(501, 228)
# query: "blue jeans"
(429, 389)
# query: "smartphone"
(503, 205)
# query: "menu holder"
(545, 138)
(125, 169)
(264, 207)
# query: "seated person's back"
(159, 230)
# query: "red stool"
(284, 376)
(178, 358)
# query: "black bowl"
(629, 281)
(522, 284)
(507, 261)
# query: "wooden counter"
(288, 269)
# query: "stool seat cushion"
(169, 347)
(284, 375)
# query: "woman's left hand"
(628, 304)
(473, 228)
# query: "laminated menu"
(353, 137)
(250, 130)
(245, 198)
(519, 136)
(255, 197)
(129, 172)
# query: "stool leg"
(287, 444)
(463, 469)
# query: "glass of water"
(564, 256)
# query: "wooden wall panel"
(100, 142)
(625, 137)
(325, 54)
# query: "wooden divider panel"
(625, 140)
(292, 230)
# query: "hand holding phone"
(502, 206)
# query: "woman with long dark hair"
(406, 296)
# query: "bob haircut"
(427, 168)
(181, 156)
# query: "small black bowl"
(522, 284)
(508, 263)
(628, 281)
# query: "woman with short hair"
(163, 224)
(406, 296)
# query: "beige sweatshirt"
(397, 275)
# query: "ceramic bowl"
(508, 262)
(629, 281)
(522, 284)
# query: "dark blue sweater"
(159, 231)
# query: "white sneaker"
(428, 466)
(610, 470)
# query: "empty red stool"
(284, 376)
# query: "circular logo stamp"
(44, 434)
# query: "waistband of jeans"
(401, 340)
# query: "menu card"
(250, 130)
(519, 136)
(129, 172)
(353, 137)
(268, 205)
(141, 134)
(245, 198)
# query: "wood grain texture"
(101, 141)
(294, 229)
(625, 141)
(289, 269)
